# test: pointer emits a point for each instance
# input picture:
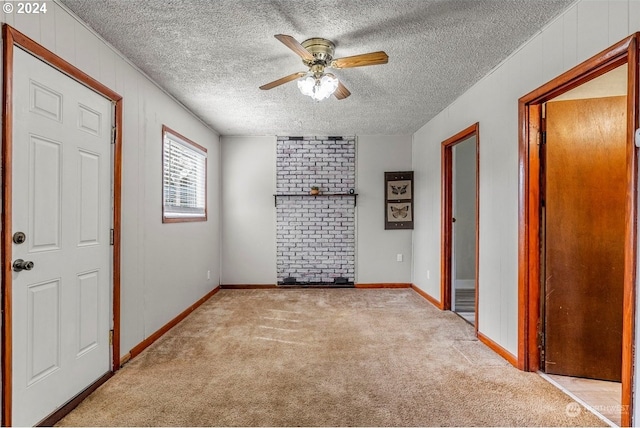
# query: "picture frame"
(399, 189)
(398, 201)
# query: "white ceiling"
(213, 56)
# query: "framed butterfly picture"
(398, 200)
(400, 189)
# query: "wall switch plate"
(208, 274)
(428, 274)
(399, 257)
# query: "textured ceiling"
(213, 56)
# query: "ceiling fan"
(317, 54)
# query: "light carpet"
(324, 357)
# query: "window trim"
(169, 219)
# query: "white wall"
(164, 266)
(248, 215)
(377, 248)
(582, 31)
(248, 212)
(464, 211)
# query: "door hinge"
(113, 135)
(543, 137)
(111, 237)
(110, 337)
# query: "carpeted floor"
(324, 357)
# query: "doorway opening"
(577, 227)
(583, 193)
(460, 207)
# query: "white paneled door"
(62, 205)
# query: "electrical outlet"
(208, 274)
(399, 257)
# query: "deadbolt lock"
(19, 237)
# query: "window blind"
(184, 179)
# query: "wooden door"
(62, 203)
(584, 237)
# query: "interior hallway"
(323, 357)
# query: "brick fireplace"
(315, 234)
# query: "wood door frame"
(13, 38)
(529, 287)
(446, 244)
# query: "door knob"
(20, 265)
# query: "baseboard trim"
(498, 350)
(383, 285)
(248, 286)
(512, 359)
(125, 359)
(273, 286)
(429, 298)
(63, 411)
(136, 350)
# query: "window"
(184, 179)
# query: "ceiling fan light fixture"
(306, 84)
(318, 87)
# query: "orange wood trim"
(273, 286)
(529, 317)
(187, 219)
(477, 255)
(446, 245)
(597, 65)
(529, 229)
(445, 226)
(248, 286)
(534, 221)
(523, 241)
(117, 234)
(57, 62)
(462, 135)
(167, 130)
(631, 237)
(125, 359)
(533, 238)
(512, 359)
(136, 350)
(7, 186)
(12, 37)
(428, 297)
(63, 411)
(384, 285)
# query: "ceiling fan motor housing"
(321, 49)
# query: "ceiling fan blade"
(372, 58)
(342, 92)
(282, 80)
(295, 46)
